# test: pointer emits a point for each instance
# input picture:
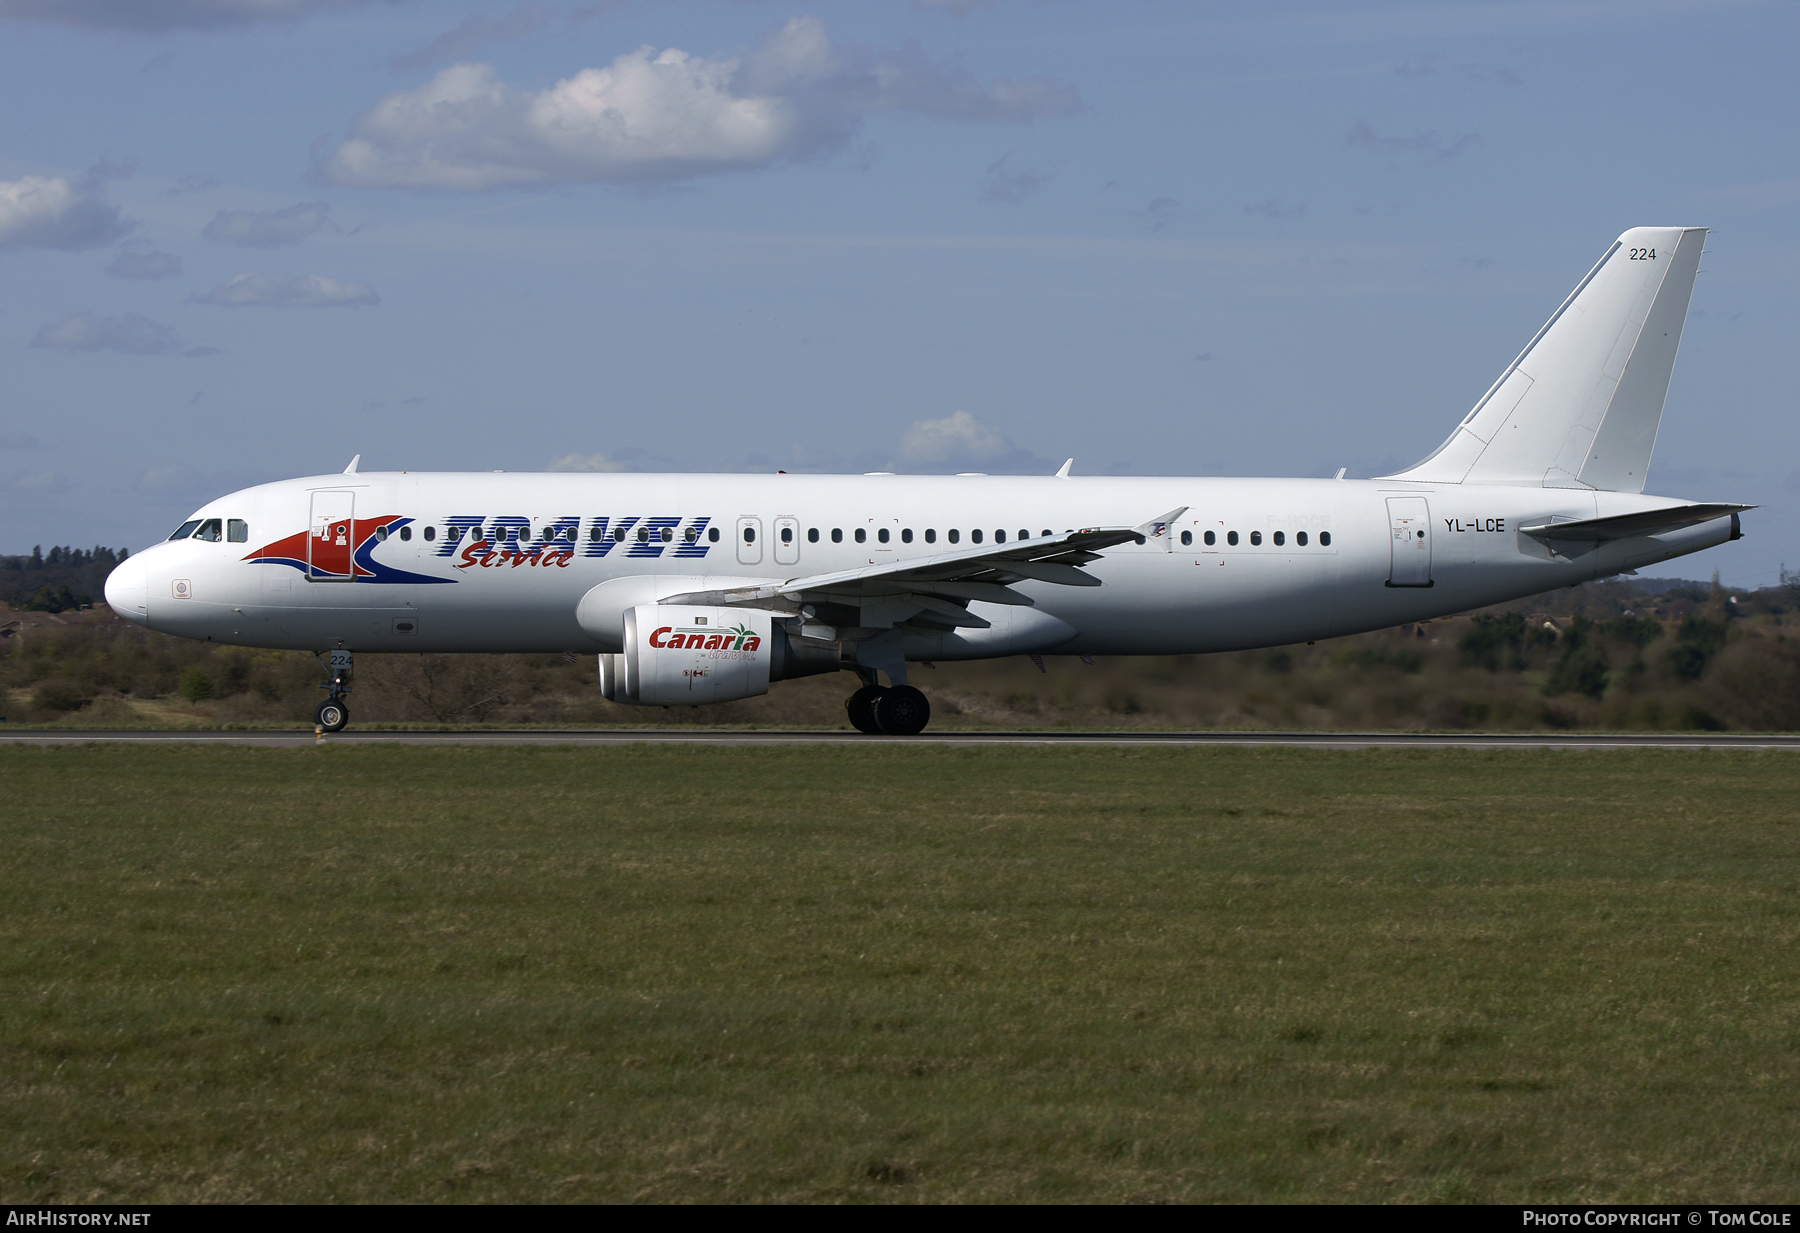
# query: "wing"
(934, 592)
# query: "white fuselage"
(1332, 572)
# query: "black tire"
(902, 711)
(332, 716)
(861, 706)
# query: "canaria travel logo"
(737, 642)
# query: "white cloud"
(479, 29)
(1005, 184)
(269, 228)
(145, 265)
(301, 291)
(961, 440)
(654, 116)
(1431, 146)
(40, 483)
(131, 333)
(153, 15)
(587, 462)
(52, 212)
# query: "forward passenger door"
(332, 538)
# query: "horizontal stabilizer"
(1630, 526)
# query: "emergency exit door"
(1409, 526)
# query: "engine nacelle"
(679, 655)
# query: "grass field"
(898, 974)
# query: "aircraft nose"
(128, 590)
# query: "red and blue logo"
(341, 550)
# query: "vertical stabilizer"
(1581, 405)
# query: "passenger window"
(787, 535)
(882, 535)
(668, 535)
(837, 535)
(906, 535)
(861, 535)
(1255, 538)
(405, 532)
(454, 534)
(953, 536)
(1210, 539)
(975, 537)
(184, 530)
(618, 535)
(1187, 538)
(930, 536)
(812, 535)
(1324, 539)
(430, 535)
(210, 531)
(1280, 539)
(1231, 538)
(1048, 531)
(237, 530)
(690, 535)
(713, 535)
(749, 535)
(1300, 538)
(999, 537)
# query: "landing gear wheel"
(861, 706)
(332, 716)
(902, 711)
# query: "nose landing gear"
(898, 710)
(333, 715)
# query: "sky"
(244, 240)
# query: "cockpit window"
(185, 529)
(237, 530)
(211, 531)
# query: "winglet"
(351, 469)
(1063, 471)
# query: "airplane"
(696, 589)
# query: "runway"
(726, 737)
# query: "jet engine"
(681, 655)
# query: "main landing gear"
(898, 710)
(332, 714)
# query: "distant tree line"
(60, 580)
